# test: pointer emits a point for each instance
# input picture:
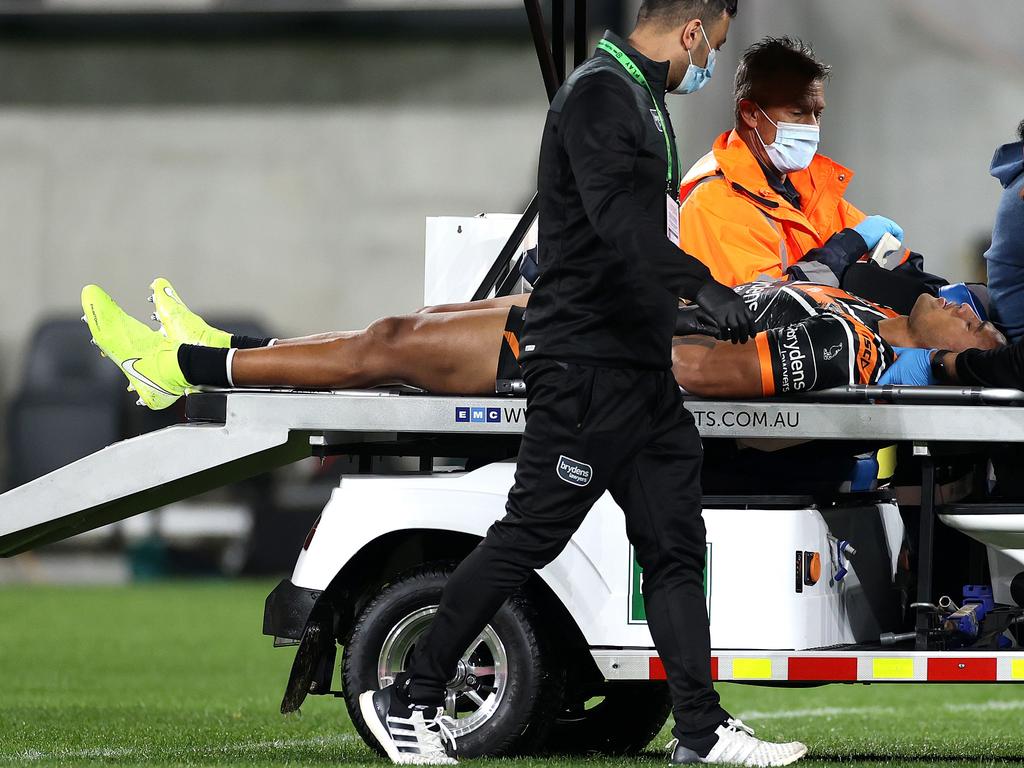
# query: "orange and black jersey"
(813, 336)
(810, 336)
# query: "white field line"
(789, 714)
(90, 754)
(751, 718)
(123, 752)
(987, 706)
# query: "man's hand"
(729, 311)
(874, 227)
(913, 367)
(692, 320)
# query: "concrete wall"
(293, 182)
(294, 178)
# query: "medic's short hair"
(1020, 130)
(675, 13)
(777, 69)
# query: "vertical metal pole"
(925, 547)
(580, 27)
(552, 80)
(509, 249)
(558, 37)
(540, 42)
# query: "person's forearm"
(707, 367)
(1002, 367)
(828, 263)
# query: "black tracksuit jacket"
(609, 277)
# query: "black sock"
(249, 342)
(403, 700)
(204, 366)
(702, 741)
(402, 688)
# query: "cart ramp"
(140, 474)
(233, 435)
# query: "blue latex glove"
(874, 227)
(913, 368)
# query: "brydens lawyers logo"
(474, 414)
(574, 472)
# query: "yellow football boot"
(179, 322)
(149, 360)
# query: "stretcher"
(235, 434)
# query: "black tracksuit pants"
(588, 430)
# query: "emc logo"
(474, 414)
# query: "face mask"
(697, 77)
(794, 147)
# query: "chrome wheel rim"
(473, 695)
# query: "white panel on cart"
(460, 250)
(751, 579)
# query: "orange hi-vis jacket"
(734, 222)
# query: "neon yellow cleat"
(179, 322)
(148, 359)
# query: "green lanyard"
(627, 64)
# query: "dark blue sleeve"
(829, 263)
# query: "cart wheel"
(621, 719)
(507, 689)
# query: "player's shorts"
(508, 358)
(820, 352)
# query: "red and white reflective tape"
(830, 666)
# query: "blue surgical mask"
(697, 77)
(794, 147)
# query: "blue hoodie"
(1006, 256)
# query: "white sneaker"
(413, 736)
(736, 745)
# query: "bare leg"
(503, 302)
(449, 353)
(710, 368)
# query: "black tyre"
(619, 719)
(508, 689)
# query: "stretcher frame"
(232, 434)
(239, 433)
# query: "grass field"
(179, 674)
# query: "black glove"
(691, 320)
(728, 310)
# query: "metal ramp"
(137, 475)
(236, 434)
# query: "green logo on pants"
(637, 609)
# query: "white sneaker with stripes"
(737, 745)
(409, 736)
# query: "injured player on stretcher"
(809, 337)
